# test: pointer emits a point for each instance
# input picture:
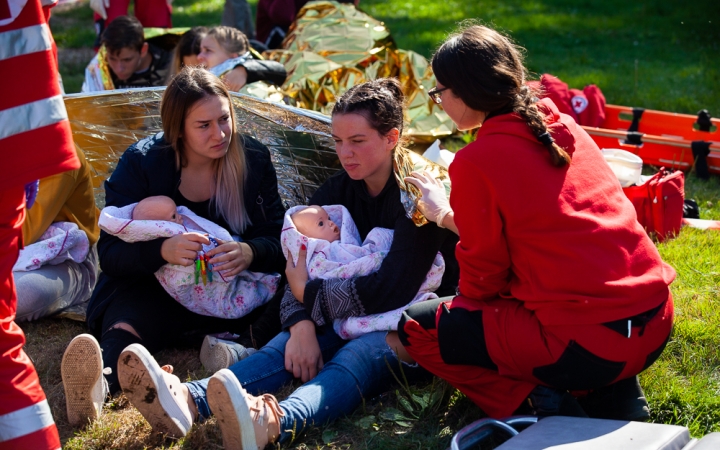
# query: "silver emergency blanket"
(105, 124)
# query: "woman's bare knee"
(127, 327)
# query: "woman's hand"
(182, 249)
(434, 203)
(237, 257)
(297, 275)
(302, 352)
(235, 79)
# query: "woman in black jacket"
(201, 162)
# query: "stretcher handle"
(648, 138)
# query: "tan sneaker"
(155, 392)
(246, 422)
(83, 380)
(216, 354)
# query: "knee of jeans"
(365, 357)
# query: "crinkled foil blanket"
(332, 47)
(105, 124)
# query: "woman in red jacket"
(560, 289)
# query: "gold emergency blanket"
(331, 47)
(105, 124)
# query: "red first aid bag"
(659, 203)
(586, 106)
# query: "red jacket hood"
(558, 124)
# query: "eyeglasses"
(436, 94)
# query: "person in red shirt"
(560, 289)
(35, 142)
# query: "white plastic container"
(626, 166)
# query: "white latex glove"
(100, 7)
(434, 203)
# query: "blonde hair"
(188, 87)
(231, 39)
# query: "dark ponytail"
(485, 69)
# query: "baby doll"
(199, 287)
(337, 252)
(314, 222)
(159, 207)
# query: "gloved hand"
(434, 203)
(31, 191)
(100, 7)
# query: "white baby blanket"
(62, 241)
(348, 258)
(224, 297)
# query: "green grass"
(659, 55)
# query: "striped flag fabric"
(35, 136)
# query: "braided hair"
(485, 69)
(379, 101)
(231, 39)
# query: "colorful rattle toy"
(203, 268)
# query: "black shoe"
(623, 400)
(545, 401)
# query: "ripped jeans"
(353, 370)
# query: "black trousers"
(161, 322)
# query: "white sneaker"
(157, 394)
(83, 380)
(246, 422)
(216, 354)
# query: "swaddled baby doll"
(336, 252)
(197, 287)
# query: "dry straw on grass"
(121, 426)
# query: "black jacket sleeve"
(265, 209)
(263, 70)
(120, 259)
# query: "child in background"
(336, 252)
(222, 48)
(205, 291)
(225, 51)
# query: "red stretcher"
(660, 138)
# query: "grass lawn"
(658, 55)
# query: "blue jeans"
(353, 370)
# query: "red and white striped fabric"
(35, 137)
(35, 142)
